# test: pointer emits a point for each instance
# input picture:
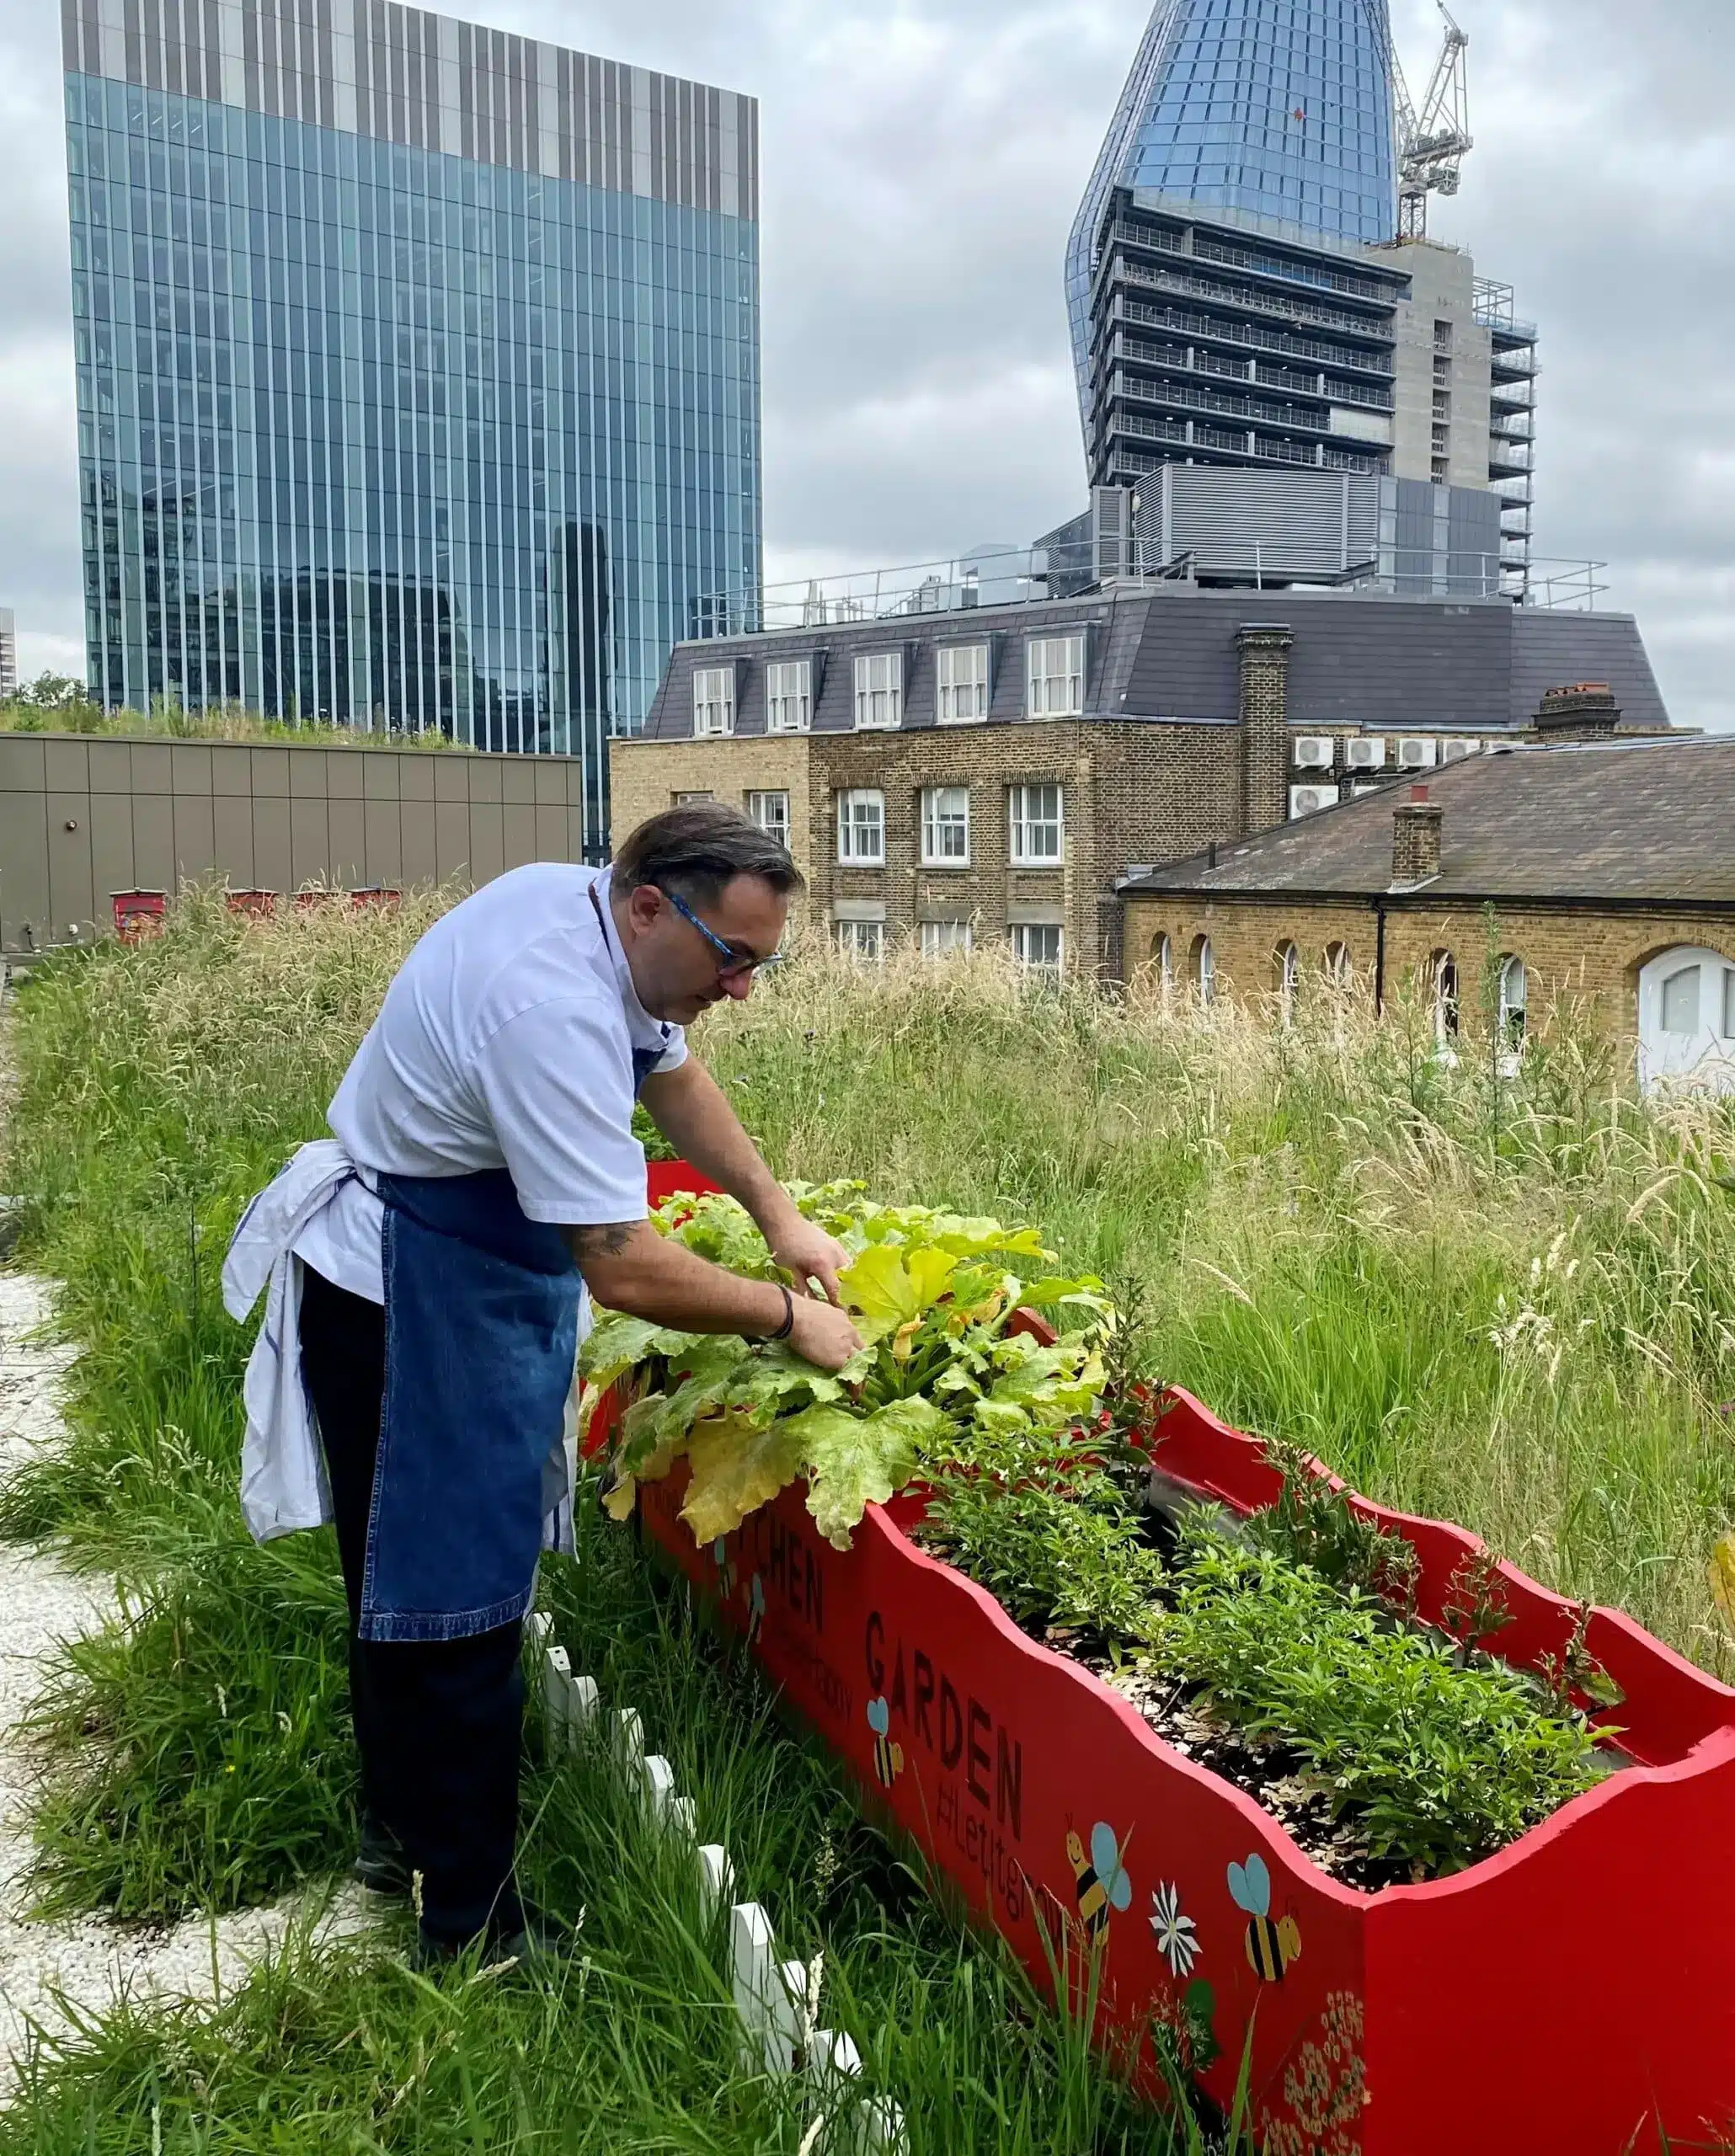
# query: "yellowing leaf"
(854, 1461)
(1723, 1576)
(619, 1501)
(736, 1469)
(647, 1448)
(891, 1285)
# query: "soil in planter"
(1266, 1769)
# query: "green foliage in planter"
(933, 1295)
(1441, 1764)
(1048, 1534)
(1311, 1524)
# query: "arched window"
(1204, 970)
(1515, 997)
(1337, 964)
(1442, 969)
(1162, 958)
(1286, 962)
(1687, 1018)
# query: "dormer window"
(1057, 684)
(714, 700)
(963, 677)
(879, 689)
(788, 696)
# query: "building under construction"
(1253, 294)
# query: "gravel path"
(42, 1602)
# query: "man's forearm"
(631, 1267)
(693, 1112)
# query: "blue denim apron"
(482, 1307)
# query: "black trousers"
(438, 1722)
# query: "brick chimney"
(1264, 650)
(1416, 841)
(1585, 711)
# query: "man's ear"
(644, 906)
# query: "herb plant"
(1047, 1530)
(1440, 1764)
(1312, 1523)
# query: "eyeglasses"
(733, 965)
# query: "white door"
(1687, 1019)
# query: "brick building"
(956, 771)
(1607, 865)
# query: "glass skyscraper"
(418, 366)
(1275, 109)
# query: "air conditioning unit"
(1366, 752)
(1419, 753)
(1309, 800)
(1314, 752)
(1454, 751)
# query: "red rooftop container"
(1561, 1998)
(138, 914)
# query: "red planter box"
(138, 914)
(252, 906)
(1562, 1997)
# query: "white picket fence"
(776, 2002)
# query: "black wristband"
(787, 1326)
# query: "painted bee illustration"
(1102, 1886)
(1270, 1947)
(888, 1758)
(755, 1609)
(725, 1567)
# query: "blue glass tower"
(418, 366)
(1275, 109)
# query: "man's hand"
(810, 1254)
(629, 1266)
(822, 1335)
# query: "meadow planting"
(1503, 1298)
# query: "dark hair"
(699, 847)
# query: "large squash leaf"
(891, 1286)
(618, 1343)
(854, 1461)
(1073, 1303)
(738, 1465)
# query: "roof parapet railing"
(1075, 565)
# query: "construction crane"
(1432, 141)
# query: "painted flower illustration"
(1176, 1935)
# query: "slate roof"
(1619, 822)
(1367, 659)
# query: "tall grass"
(198, 1748)
(632, 2046)
(57, 705)
(1511, 1301)
(1508, 1300)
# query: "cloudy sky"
(921, 161)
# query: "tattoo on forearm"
(608, 1239)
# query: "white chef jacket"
(511, 1037)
